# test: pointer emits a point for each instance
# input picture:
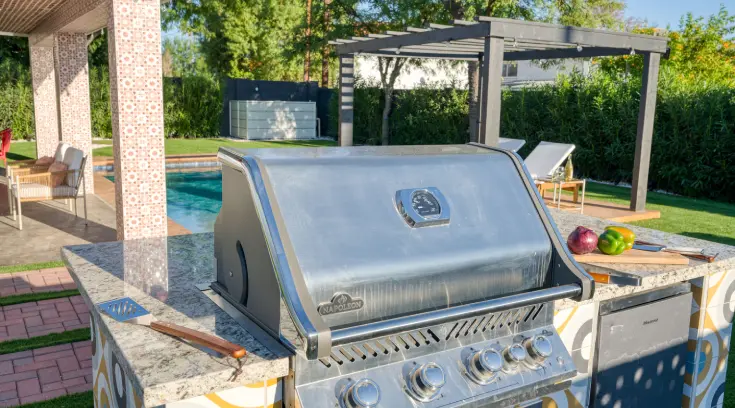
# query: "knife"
(128, 311)
(690, 252)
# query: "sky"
(664, 12)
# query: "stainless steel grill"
(398, 276)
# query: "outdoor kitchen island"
(135, 366)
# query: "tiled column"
(75, 119)
(136, 93)
(44, 100)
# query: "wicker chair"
(38, 185)
(23, 167)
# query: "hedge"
(693, 151)
(193, 105)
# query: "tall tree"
(243, 38)
(325, 46)
(307, 54)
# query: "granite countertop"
(652, 276)
(162, 275)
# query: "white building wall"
(454, 73)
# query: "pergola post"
(136, 96)
(346, 98)
(492, 74)
(473, 76)
(45, 105)
(75, 117)
(646, 114)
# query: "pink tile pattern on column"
(136, 94)
(75, 118)
(45, 108)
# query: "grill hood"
(358, 235)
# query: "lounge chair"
(543, 161)
(511, 144)
(50, 185)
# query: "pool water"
(193, 200)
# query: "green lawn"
(193, 146)
(704, 219)
(81, 400)
(27, 150)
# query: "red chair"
(6, 136)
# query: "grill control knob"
(426, 381)
(512, 356)
(362, 394)
(484, 366)
(539, 348)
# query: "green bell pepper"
(611, 242)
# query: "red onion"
(582, 240)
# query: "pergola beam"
(418, 38)
(490, 93)
(644, 136)
(526, 30)
(424, 54)
(346, 99)
(564, 53)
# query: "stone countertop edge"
(652, 276)
(174, 370)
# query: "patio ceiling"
(523, 40)
(22, 16)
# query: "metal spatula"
(128, 311)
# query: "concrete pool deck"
(48, 226)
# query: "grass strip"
(35, 297)
(30, 267)
(81, 400)
(53, 339)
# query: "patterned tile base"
(576, 327)
(113, 388)
(710, 331)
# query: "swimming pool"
(193, 200)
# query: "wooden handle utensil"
(129, 311)
(215, 343)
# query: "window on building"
(510, 69)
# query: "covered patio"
(58, 34)
(492, 41)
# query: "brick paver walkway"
(33, 319)
(44, 280)
(45, 373)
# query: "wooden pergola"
(490, 41)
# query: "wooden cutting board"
(634, 256)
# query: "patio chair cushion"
(45, 161)
(36, 190)
(73, 160)
(60, 151)
(56, 179)
(547, 157)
